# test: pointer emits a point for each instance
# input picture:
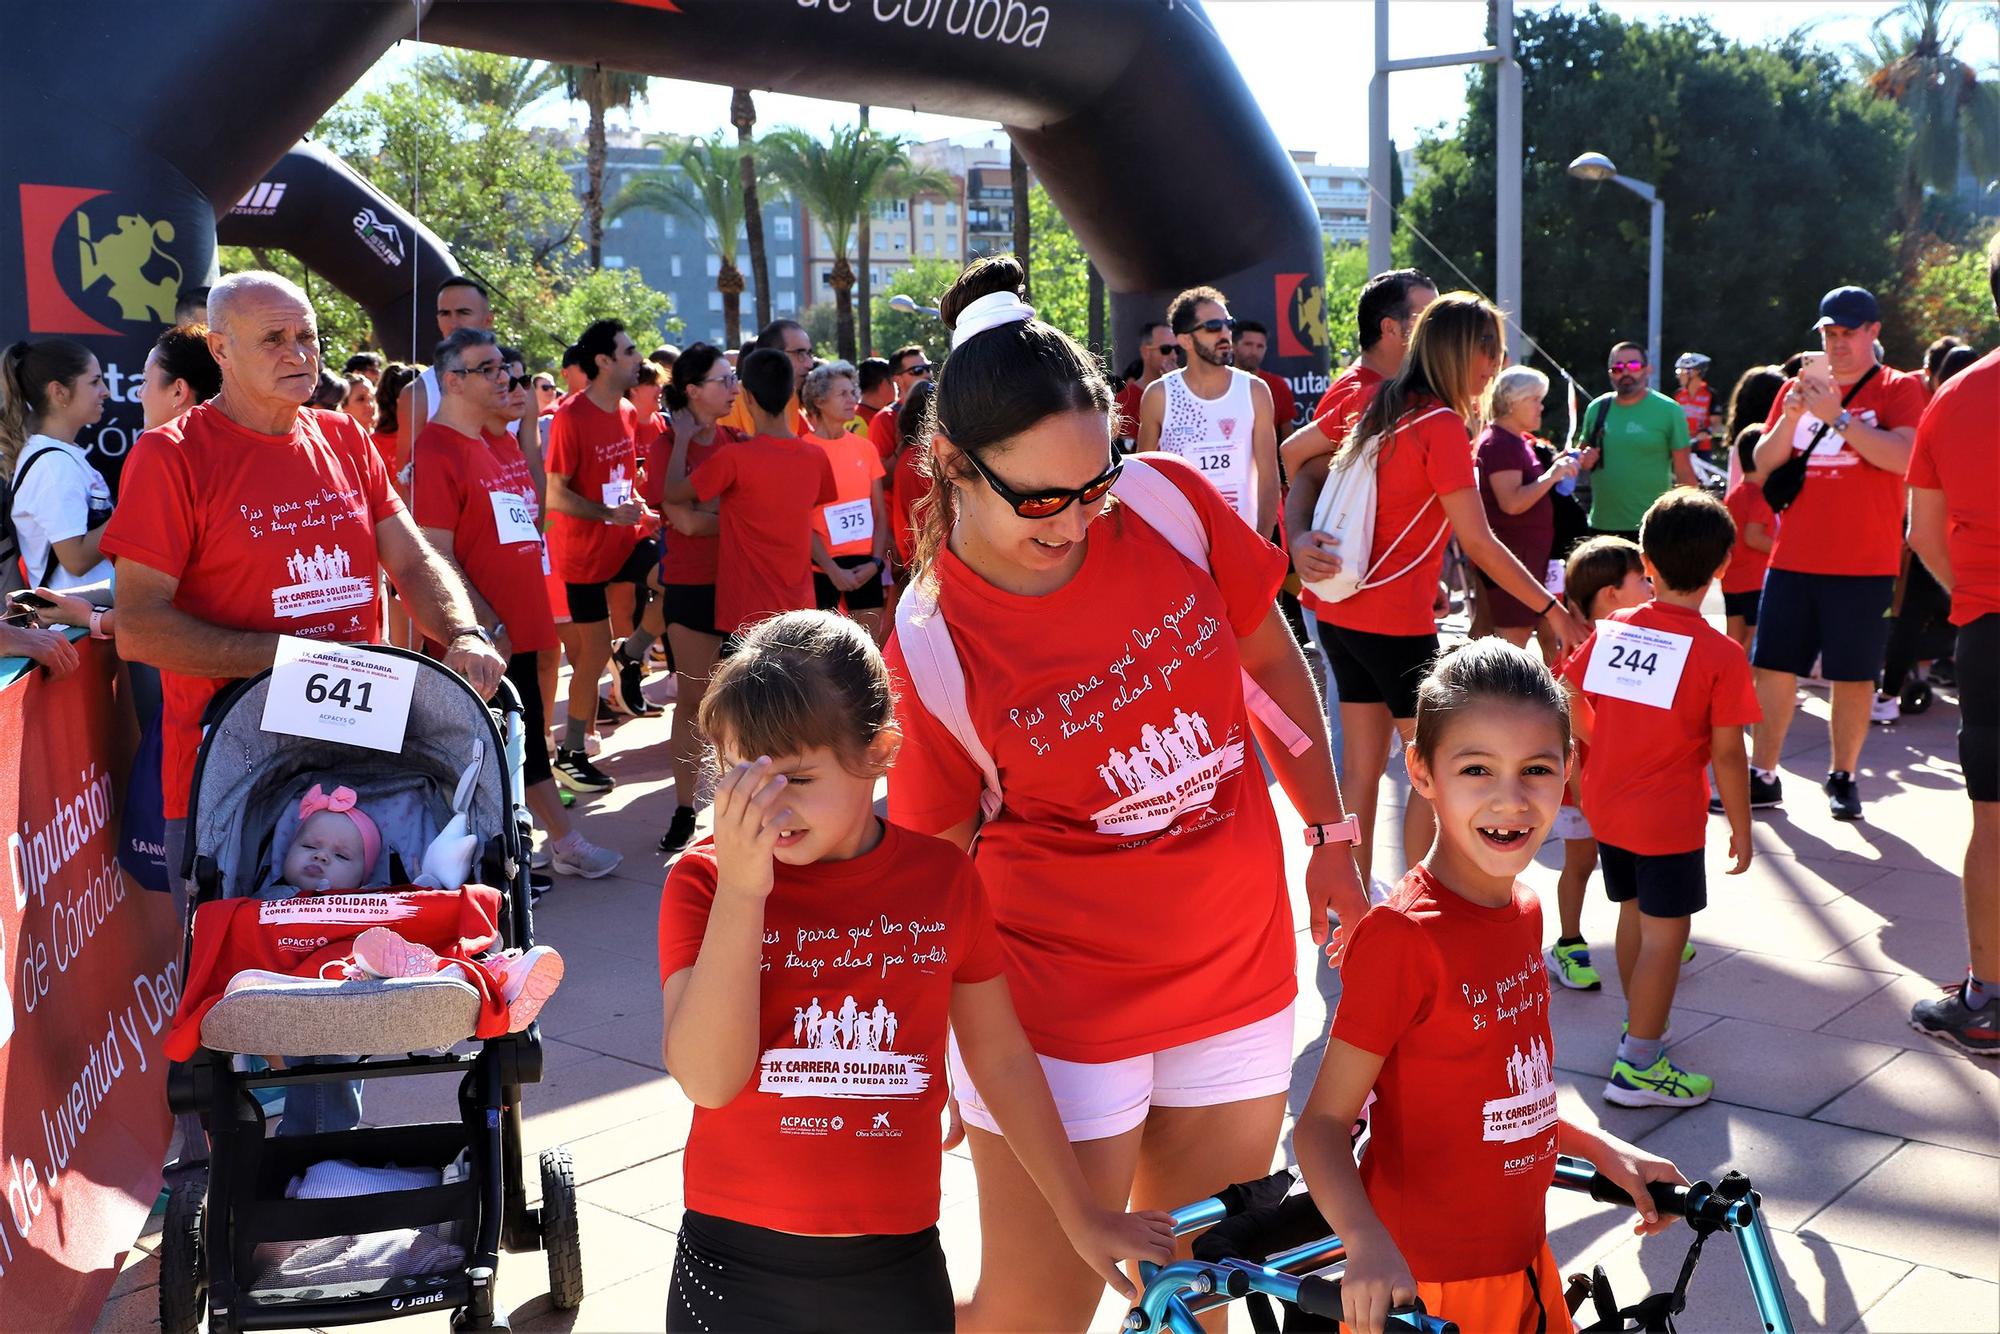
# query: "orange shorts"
(1501, 1303)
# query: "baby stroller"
(235, 1244)
(1263, 1242)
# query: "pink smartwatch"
(1346, 831)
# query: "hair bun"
(982, 277)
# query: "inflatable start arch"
(131, 125)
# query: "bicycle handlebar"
(1321, 1297)
(1698, 1203)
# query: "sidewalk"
(1876, 1150)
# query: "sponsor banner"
(89, 979)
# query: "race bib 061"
(513, 520)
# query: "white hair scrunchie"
(989, 312)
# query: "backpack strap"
(1165, 508)
(12, 544)
(938, 677)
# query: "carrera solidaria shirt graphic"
(838, 1132)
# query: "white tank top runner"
(1214, 435)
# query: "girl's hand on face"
(748, 819)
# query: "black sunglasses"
(920, 370)
(517, 382)
(1210, 326)
(1048, 504)
(1170, 350)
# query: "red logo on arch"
(45, 211)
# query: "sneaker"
(1887, 709)
(584, 859)
(1765, 792)
(539, 883)
(527, 981)
(625, 695)
(538, 860)
(1687, 952)
(568, 797)
(380, 952)
(680, 831)
(1916, 697)
(1949, 1019)
(1570, 965)
(1843, 798)
(605, 713)
(572, 769)
(1664, 1085)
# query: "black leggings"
(1920, 630)
(736, 1277)
(524, 670)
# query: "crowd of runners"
(1068, 622)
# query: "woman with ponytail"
(49, 392)
(1133, 858)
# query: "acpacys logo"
(77, 250)
(1301, 315)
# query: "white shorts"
(1570, 824)
(1097, 1100)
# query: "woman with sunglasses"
(1381, 639)
(1133, 860)
(700, 390)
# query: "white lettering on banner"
(331, 909)
(513, 521)
(1635, 663)
(35, 855)
(846, 1052)
(322, 581)
(1009, 22)
(850, 521)
(333, 693)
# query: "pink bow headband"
(343, 801)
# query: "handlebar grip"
(1667, 1198)
(1321, 1297)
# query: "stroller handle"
(1699, 1203)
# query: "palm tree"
(743, 115)
(837, 180)
(483, 79)
(1017, 176)
(1954, 116)
(603, 91)
(866, 278)
(707, 189)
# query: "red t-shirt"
(598, 452)
(386, 445)
(477, 489)
(1747, 564)
(911, 483)
(1128, 408)
(838, 1132)
(770, 486)
(1136, 815)
(882, 430)
(1453, 996)
(650, 429)
(1695, 407)
(266, 533)
(1646, 789)
(1345, 399)
(1958, 453)
(856, 469)
(683, 559)
(1426, 460)
(1848, 519)
(1581, 747)
(1284, 403)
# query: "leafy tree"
(602, 91)
(1346, 274)
(508, 83)
(1952, 295)
(1776, 167)
(923, 282)
(1061, 276)
(708, 190)
(1954, 115)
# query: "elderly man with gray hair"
(252, 517)
(1515, 489)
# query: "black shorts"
(1742, 604)
(524, 670)
(1841, 619)
(1674, 884)
(1378, 669)
(732, 1276)
(1295, 617)
(868, 597)
(1978, 660)
(587, 603)
(690, 606)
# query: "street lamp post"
(910, 307)
(1597, 167)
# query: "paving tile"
(1587, 1024)
(638, 1190)
(1929, 895)
(1778, 1069)
(1772, 989)
(630, 1037)
(1581, 1096)
(1885, 1017)
(1797, 1166)
(1930, 1301)
(1825, 1285)
(1780, 874)
(1928, 1097)
(1777, 926)
(1925, 947)
(1927, 1205)
(598, 985)
(639, 1302)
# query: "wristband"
(1345, 831)
(1553, 599)
(97, 623)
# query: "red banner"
(89, 971)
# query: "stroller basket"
(1263, 1243)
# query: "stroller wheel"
(1916, 696)
(561, 1239)
(183, 1265)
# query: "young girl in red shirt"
(1444, 1014)
(811, 957)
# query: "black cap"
(1848, 307)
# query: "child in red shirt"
(1444, 1014)
(811, 957)
(1659, 690)
(1756, 533)
(1603, 575)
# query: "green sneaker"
(1570, 965)
(1687, 952)
(1664, 1085)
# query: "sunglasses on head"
(1211, 326)
(1628, 365)
(1048, 504)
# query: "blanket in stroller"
(300, 936)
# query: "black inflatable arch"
(131, 125)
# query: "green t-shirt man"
(1638, 463)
